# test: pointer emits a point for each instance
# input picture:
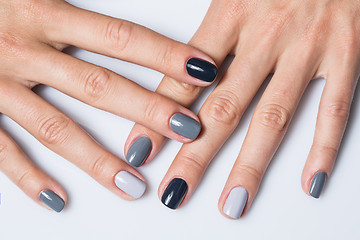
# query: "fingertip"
(202, 71)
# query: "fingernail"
(52, 200)
(201, 69)
(235, 203)
(130, 184)
(317, 184)
(139, 151)
(174, 193)
(185, 126)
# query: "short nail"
(317, 184)
(185, 126)
(52, 200)
(139, 151)
(130, 184)
(235, 203)
(201, 69)
(174, 193)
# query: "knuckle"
(37, 11)
(251, 171)
(223, 108)
(10, 45)
(24, 178)
(276, 22)
(236, 9)
(327, 150)
(118, 34)
(54, 130)
(181, 90)
(273, 116)
(96, 84)
(192, 161)
(339, 110)
(97, 167)
(165, 55)
(151, 112)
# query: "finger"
(267, 128)
(220, 115)
(331, 123)
(106, 90)
(131, 42)
(143, 144)
(60, 134)
(30, 179)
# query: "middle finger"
(220, 115)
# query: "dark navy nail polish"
(174, 193)
(201, 69)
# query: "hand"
(297, 41)
(32, 35)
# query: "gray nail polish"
(52, 200)
(317, 184)
(235, 203)
(139, 151)
(185, 126)
(130, 184)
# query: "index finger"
(131, 42)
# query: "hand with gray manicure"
(295, 41)
(33, 34)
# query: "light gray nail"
(139, 151)
(235, 203)
(317, 184)
(185, 126)
(52, 200)
(130, 184)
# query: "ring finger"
(59, 133)
(267, 128)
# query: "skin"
(296, 41)
(32, 35)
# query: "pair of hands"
(297, 41)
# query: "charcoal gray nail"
(185, 126)
(201, 69)
(317, 184)
(139, 151)
(235, 203)
(52, 200)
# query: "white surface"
(280, 211)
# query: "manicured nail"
(235, 203)
(52, 200)
(174, 193)
(185, 126)
(130, 184)
(139, 151)
(201, 69)
(317, 184)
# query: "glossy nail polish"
(317, 184)
(52, 200)
(174, 193)
(235, 203)
(139, 151)
(130, 184)
(201, 69)
(185, 126)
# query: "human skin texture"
(32, 35)
(296, 41)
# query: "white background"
(281, 210)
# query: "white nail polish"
(235, 203)
(130, 184)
